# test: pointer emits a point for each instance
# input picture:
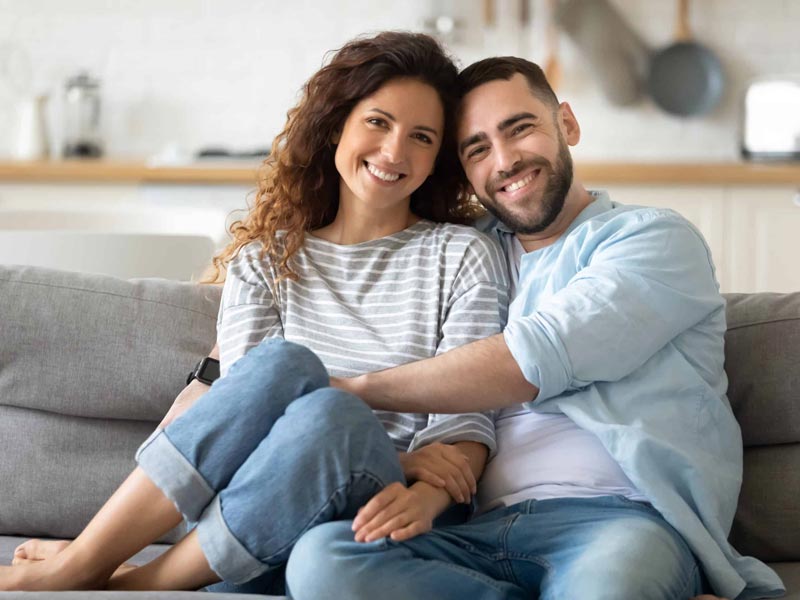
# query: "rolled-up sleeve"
(642, 285)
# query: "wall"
(194, 73)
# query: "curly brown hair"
(298, 185)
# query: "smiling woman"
(350, 260)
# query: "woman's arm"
(404, 512)
(188, 396)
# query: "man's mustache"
(502, 176)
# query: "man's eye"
(477, 151)
(520, 128)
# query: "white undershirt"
(541, 456)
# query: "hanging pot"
(686, 78)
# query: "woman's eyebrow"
(392, 118)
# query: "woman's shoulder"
(452, 235)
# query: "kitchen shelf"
(109, 171)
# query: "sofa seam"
(763, 322)
(116, 295)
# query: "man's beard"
(553, 196)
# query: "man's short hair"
(505, 67)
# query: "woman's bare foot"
(36, 550)
(60, 572)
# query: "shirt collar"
(600, 204)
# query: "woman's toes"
(40, 549)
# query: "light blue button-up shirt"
(620, 325)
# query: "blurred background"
(163, 108)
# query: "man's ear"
(568, 124)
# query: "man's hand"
(396, 511)
(443, 466)
(184, 400)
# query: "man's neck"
(577, 199)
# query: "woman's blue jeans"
(268, 453)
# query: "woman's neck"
(353, 226)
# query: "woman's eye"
(377, 121)
(423, 138)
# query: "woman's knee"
(276, 371)
(276, 355)
(331, 408)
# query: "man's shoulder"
(624, 220)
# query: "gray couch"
(89, 365)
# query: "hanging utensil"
(552, 65)
(616, 54)
(686, 78)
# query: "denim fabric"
(589, 548)
(265, 455)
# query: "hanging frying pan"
(685, 78)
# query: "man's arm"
(479, 376)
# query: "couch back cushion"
(89, 365)
(762, 359)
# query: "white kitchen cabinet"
(703, 206)
(762, 244)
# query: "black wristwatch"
(207, 371)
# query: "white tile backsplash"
(224, 72)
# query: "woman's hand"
(441, 465)
(396, 511)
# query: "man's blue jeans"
(561, 549)
(269, 452)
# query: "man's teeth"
(381, 174)
(521, 183)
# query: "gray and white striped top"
(374, 305)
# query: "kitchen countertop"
(243, 172)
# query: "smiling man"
(619, 459)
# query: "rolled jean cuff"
(175, 476)
(225, 554)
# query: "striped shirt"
(375, 305)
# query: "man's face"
(515, 154)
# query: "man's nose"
(506, 157)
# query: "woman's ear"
(337, 135)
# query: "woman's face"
(388, 144)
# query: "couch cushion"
(109, 348)
(767, 522)
(88, 366)
(762, 359)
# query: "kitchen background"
(177, 76)
(184, 74)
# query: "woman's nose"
(393, 148)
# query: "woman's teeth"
(381, 174)
(513, 187)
